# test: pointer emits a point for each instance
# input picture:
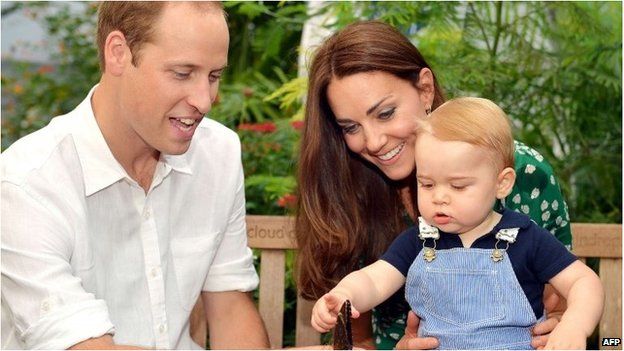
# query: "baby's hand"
(566, 337)
(326, 309)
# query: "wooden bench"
(275, 234)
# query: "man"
(117, 215)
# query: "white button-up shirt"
(86, 252)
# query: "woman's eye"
(386, 114)
(350, 129)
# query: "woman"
(368, 84)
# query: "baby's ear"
(505, 182)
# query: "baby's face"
(457, 183)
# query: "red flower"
(288, 200)
(298, 125)
(266, 127)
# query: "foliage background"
(554, 67)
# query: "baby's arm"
(365, 288)
(585, 295)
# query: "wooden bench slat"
(305, 334)
(597, 240)
(611, 276)
(271, 232)
(271, 305)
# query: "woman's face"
(377, 112)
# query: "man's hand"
(411, 341)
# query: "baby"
(474, 276)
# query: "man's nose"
(200, 97)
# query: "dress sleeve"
(537, 194)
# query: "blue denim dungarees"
(468, 299)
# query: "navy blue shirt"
(536, 256)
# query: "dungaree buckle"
(509, 236)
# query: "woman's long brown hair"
(348, 212)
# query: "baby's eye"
(425, 185)
(458, 187)
(214, 77)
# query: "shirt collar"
(178, 163)
(99, 167)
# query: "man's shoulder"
(35, 151)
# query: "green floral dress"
(536, 193)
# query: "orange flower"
(18, 89)
(287, 201)
(45, 69)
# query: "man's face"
(176, 78)
(457, 183)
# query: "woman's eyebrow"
(372, 108)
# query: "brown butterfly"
(343, 340)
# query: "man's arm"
(234, 321)
(104, 342)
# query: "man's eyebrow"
(372, 108)
(193, 66)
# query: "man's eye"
(181, 75)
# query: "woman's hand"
(411, 340)
(555, 305)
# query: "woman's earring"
(428, 111)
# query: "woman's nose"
(375, 140)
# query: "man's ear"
(425, 86)
(116, 53)
(505, 182)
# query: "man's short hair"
(135, 19)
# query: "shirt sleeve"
(232, 268)
(49, 309)
(537, 194)
(549, 256)
(403, 250)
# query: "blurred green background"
(554, 67)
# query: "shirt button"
(162, 328)
(154, 272)
(147, 214)
(45, 306)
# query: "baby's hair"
(476, 121)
